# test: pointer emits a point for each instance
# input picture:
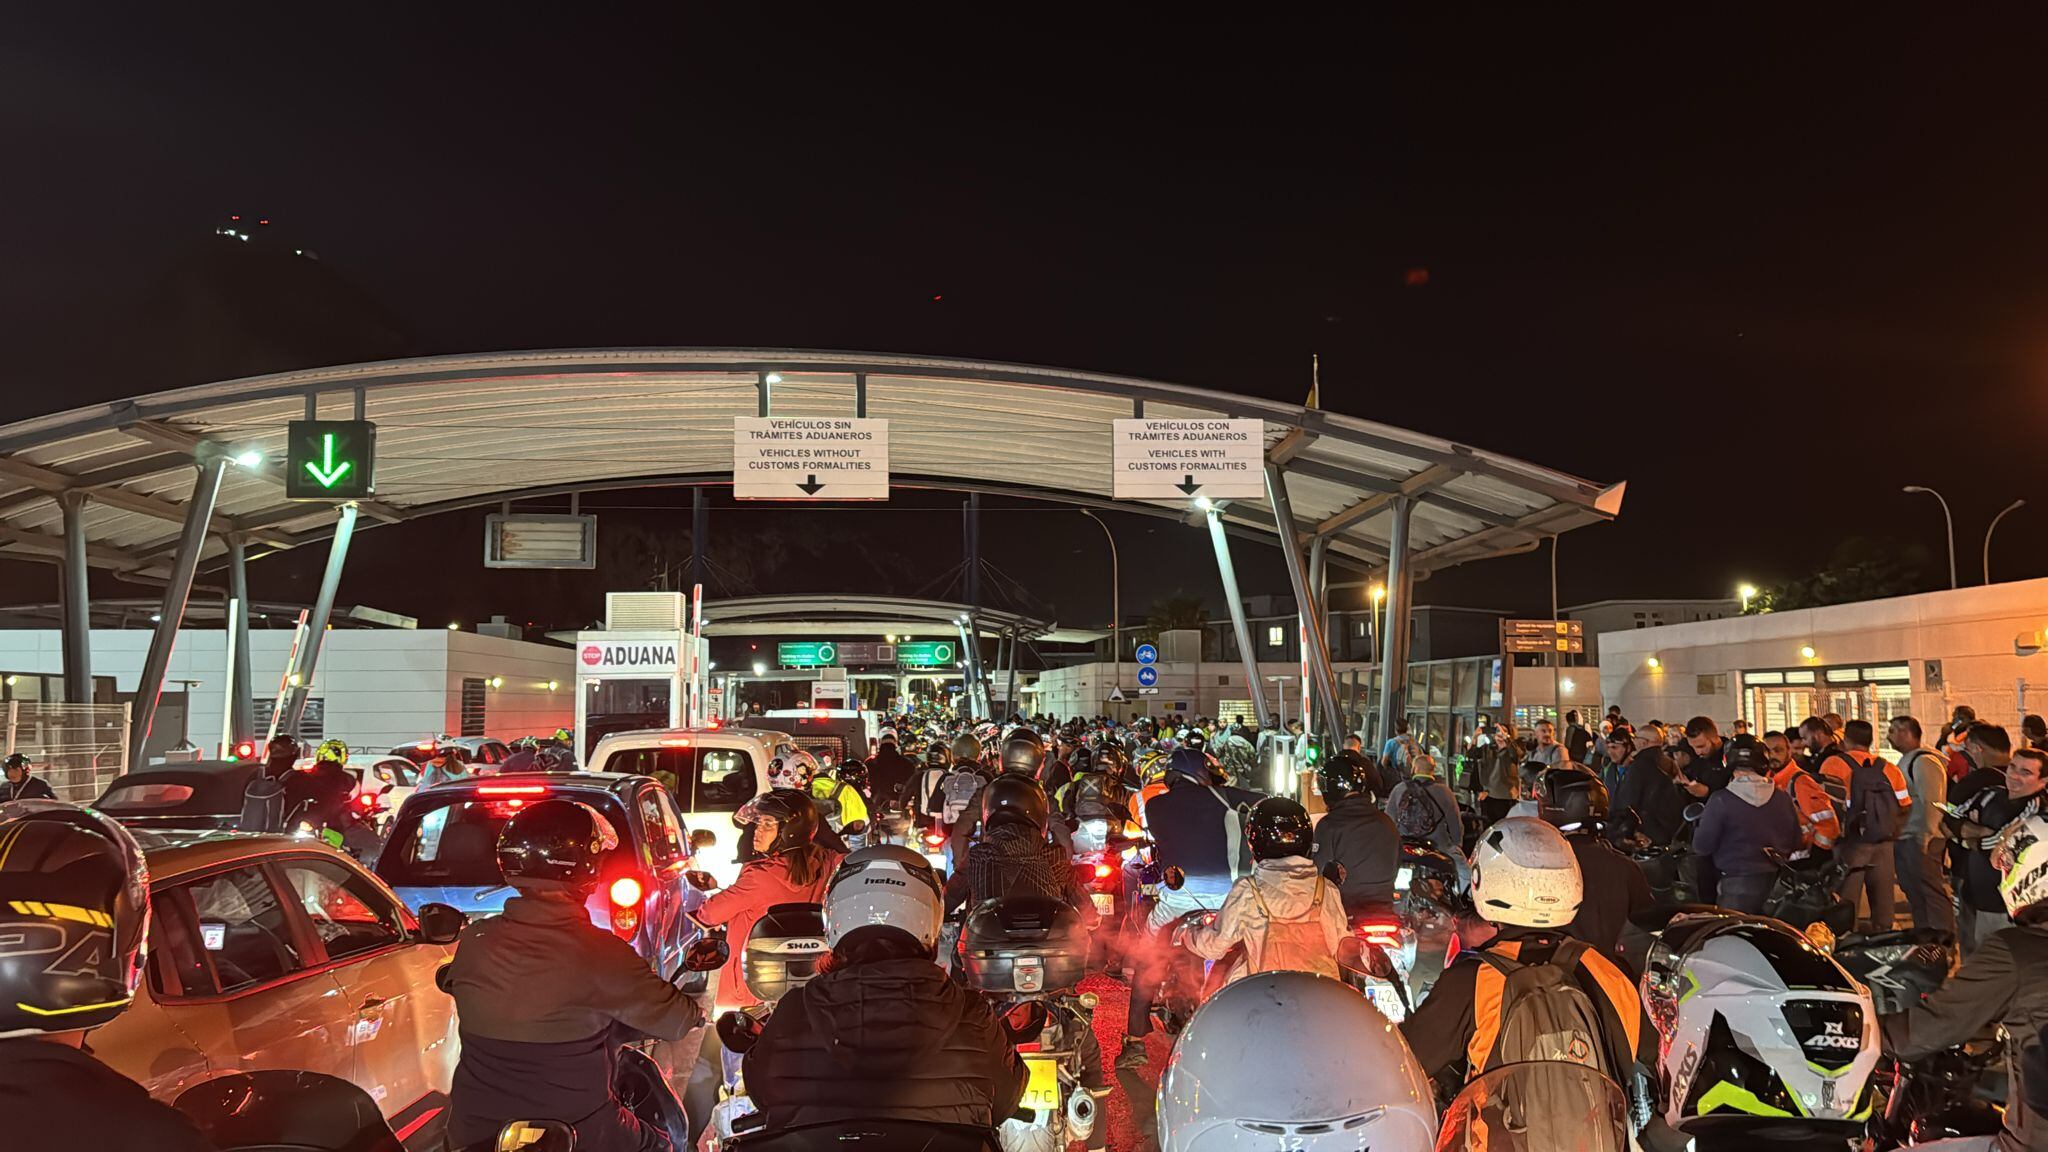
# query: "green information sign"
(330, 460)
(808, 654)
(928, 653)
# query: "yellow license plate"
(1042, 1089)
(1105, 902)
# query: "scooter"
(783, 950)
(1026, 954)
(277, 1109)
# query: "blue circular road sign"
(1148, 676)
(1147, 654)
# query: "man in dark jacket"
(1500, 768)
(1578, 739)
(893, 775)
(22, 784)
(883, 1034)
(1744, 818)
(1646, 787)
(1572, 800)
(1985, 812)
(1356, 833)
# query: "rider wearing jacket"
(22, 783)
(57, 860)
(893, 776)
(1574, 801)
(1356, 833)
(1013, 856)
(1284, 915)
(540, 992)
(1999, 983)
(789, 866)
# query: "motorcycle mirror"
(1026, 1021)
(1174, 877)
(535, 1136)
(1693, 811)
(441, 924)
(855, 828)
(707, 954)
(1334, 873)
(441, 978)
(700, 880)
(701, 839)
(738, 1031)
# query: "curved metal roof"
(842, 614)
(463, 431)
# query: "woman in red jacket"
(791, 869)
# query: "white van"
(713, 770)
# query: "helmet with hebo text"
(1524, 872)
(885, 884)
(1301, 1059)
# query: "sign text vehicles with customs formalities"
(1182, 459)
(810, 458)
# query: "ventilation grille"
(644, 611)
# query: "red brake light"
(246, 750)
(713, 725)
(512, 790)
(1102, 871)
(675, 742)
(626, 892)
(425, 746)
(934, 839)
(367, 802)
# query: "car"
(713, 772)
(203, 795)
(443, 844)
(483, 751)
(833, 735)
(276, 952)
(389, 778)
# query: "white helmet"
(1299, 1060)
(2026, 882)
(795, 770)
(1524, 872)
(886, 884)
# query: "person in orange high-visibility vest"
(1820, 826)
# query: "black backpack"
(1873, 812)
(1418, 815)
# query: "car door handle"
(372, 1002)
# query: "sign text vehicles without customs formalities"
(810, 458)
(1183, 459)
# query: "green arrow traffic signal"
(330, 460)
(327, 473)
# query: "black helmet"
(1111, 760)
(1194, 738)
(1023, 752)
(937, 754)
(553, 759)
(1191, 764)
(853, 773)
(1280, 827)
(1346, 773)
(17, 760)
(75, 888)
(555, 844)
(282, 747)
(967, 748)
(1746, 753)
(1015, 799)
(794, 813)
(1573, 799)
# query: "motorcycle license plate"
(1042, 1088)
(1105, 902)
(1387, 1000)
(1403, 878)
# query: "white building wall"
(1971, 631)
(1083, 689)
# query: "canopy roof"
(458, 432)
(836, 614)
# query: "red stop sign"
(592, 654)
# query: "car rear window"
(701, 779)
(451, 839)
(144, 797)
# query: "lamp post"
(1116, 610)
(1372, 639)
(1746, 592)
(2014, 506)
(1950, 520)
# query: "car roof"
(175, 852)
(616, 783)
(656, 735)
(217, 785)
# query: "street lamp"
(760, 669)
(1951, 530)
(1747, 592)
(1372, 640)
(1116, 611)
(1987, 536)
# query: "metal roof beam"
(45, 545)
(1423, 486)
(1291, 445)
(52, 482)
(183, 440)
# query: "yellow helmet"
(333, 750)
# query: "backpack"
(1545, 1015)
(958, 791)
(1418, 815)
(262, 805)
(1095, 796)
(1873, 809)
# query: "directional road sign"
(927, 653)
(330, 460)
(807, 654)
(1147, 654)
(1147, 675)
(1182, 459)
(1525, 644)
(1543, 627)
(810, 458)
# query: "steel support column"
(77, 603)
(1394, 630)
(296, 694)
(1305, 598)
(700, 531)
(243, 705)
(966, 663)
(1227, 573)
(150, 685)
(1010, 692)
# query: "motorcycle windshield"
(1546, 1106)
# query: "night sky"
(1766, 274)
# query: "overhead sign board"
(810, 458)
(866, 652)
(1147, 654)
(626, 657)
(807, 654)
(927, 653)
(1183, 459)
(1517, 645)
(330, 460)
(1543, 627)
(1148, 675)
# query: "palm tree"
(1175, 612)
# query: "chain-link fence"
(77, 748)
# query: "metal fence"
(77, 748)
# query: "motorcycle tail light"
(1384, 933)
(1103, 871)
(934, 840)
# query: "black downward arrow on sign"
(1187, 484)
(810, 486)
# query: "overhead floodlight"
(775, 377)
(1204, 503)
(248, 457)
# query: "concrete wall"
(380, 686)
(1971, 631)
(1083, 689)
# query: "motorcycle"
(782, 953)
(1806, 893)
(277, 1109)
(1665, 866)
(1099, 857)
(1901, 968)
(1934, 1098)
(1371, 960)
(1027, 954)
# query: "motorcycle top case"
(1025, 944)
(783, 949)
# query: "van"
(833, 735)
(710, 771)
